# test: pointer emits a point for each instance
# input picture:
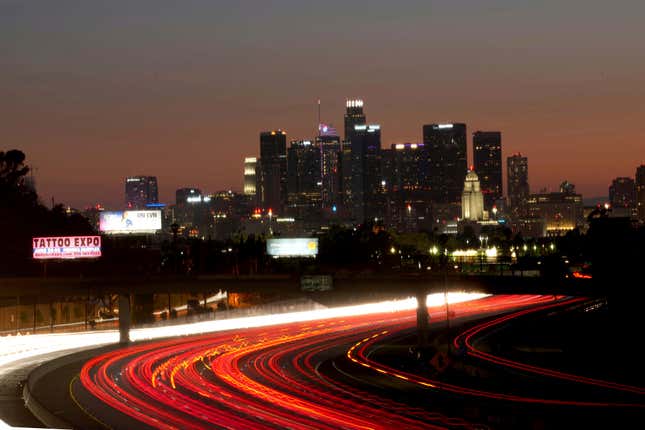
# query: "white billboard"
(125, 222)
(66, 247)
(293, 247)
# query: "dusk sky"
(93, 91)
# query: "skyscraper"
(273, 170)
(250, 180)
(405, 170)
(303, 179)
(487, 159)
(446, 148)
(518, 183)
(640, 192)
(140, 191)
(622, 193)
(353, 116)
(367, 189)
(330, 167)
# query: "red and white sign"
(66, 247)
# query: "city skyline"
(182, 91)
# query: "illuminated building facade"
(273, 170)
(446, 148)
(487, 160)
(518, 183)
(330, 168)
(354, 115)
(405, 170)
(141, 191)
(472, 199)
(250, 178)
(561, 212)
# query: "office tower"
(472, 198)
(518, 183)
(345, 169)
(561, 211)
(640, 192)
(446, 148)
(367, 187)
(140, 191)
(250, 177)
(405, 170)
(303, 179)
(622, 194)
(187, 195)
(353, 116)
(330, 166)
(190, 210)
(273, 170)
(487, 160)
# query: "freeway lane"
(264, 377)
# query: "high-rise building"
(472, 198)
(518, 183)
(330, 167)
(273, 170)
(367, 187)
(187, 195)
(140, 191)
(560, 212)
(446, 148)
(353, 116)
(640, 192)
(303, 179)
(405, 170)
(250, 181)
(487, 160)
(622, 196)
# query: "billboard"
(66, 247)
(124, 222)
(294, 247)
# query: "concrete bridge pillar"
(423, 319)
(125, 319)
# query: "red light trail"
(268, 377)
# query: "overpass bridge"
(132, 291)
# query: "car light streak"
(256, 379)
(467, 338)
(358, 353)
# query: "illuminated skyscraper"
(273, 170)
(330, 166)
(140, 191)
(353, 116)
(518, 183)
(640, 192)
(446, 148)
(405, 170)
(367, 188)
(250, 179)
(487, 158)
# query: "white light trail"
(17, 349)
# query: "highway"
(270, 377)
